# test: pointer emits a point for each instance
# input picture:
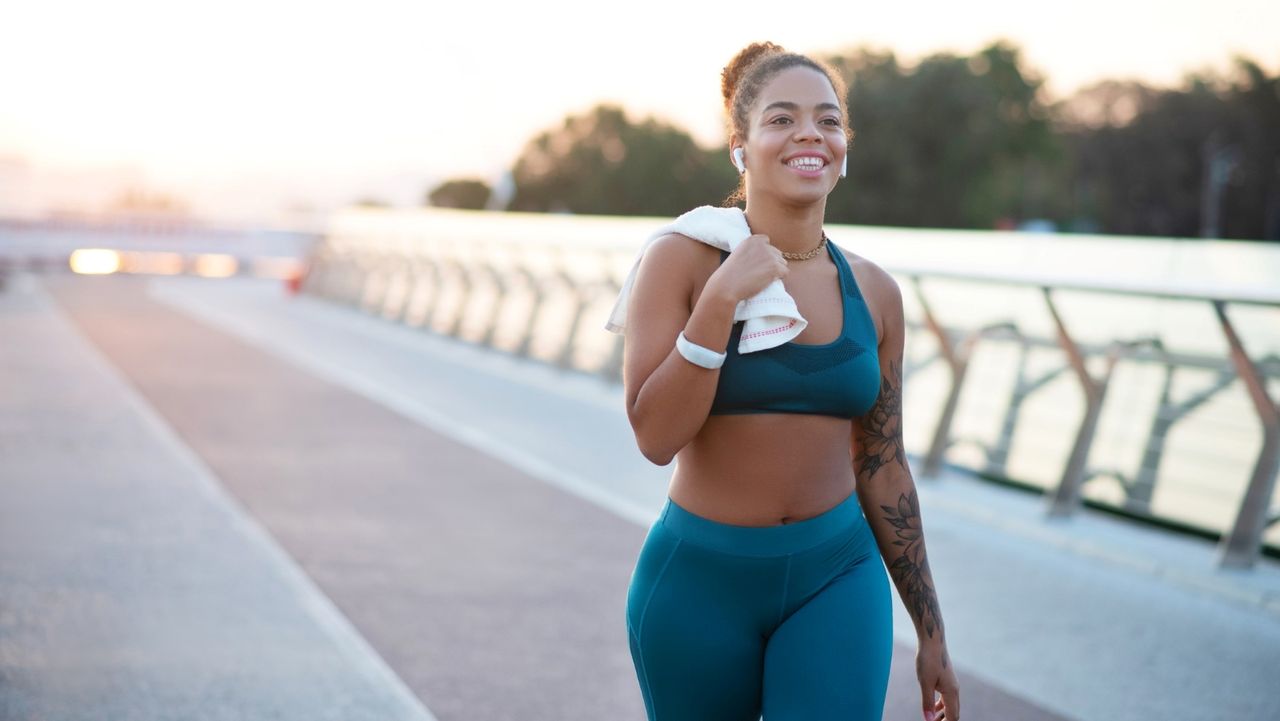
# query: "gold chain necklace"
(798, 256)
(808, 253)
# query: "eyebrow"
(787, 105)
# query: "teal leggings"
(793, 621)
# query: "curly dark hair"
(750, 70)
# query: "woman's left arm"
(887, 493)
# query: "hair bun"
(733, 71)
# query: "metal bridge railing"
(546, 299)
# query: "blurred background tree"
(602, 162)
(953, 143)
(967, 142)
(462, 193)
(1200, 160)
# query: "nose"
(808, 130)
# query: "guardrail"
(1241, 545)
(540, 287)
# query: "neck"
(791, 229)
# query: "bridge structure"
(222, 499)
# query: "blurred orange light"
(216, 265)
(155, 263)
(95, 261)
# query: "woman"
(758, 590)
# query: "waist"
(763, 540)
(773, 445)
(762, 469)
(737, 443)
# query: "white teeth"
(806, 163)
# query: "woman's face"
(796, 141)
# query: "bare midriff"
(764, 469)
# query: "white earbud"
(738, 161)
(844, 166)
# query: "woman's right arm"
(668, 398)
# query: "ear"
(735, 143)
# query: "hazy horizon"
(246, 110)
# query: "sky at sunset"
(245, 107)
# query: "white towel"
(771, 315)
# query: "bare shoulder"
(680, 261)
(878, 280)
(679, 248)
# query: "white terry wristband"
(698, 355)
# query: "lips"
(809, 164)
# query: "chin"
(806, 196)
(789, 191)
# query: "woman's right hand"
(752, 266)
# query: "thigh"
(696, 644)
(830, 659)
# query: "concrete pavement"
(132, 586)
(475, 518)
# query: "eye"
(832, 121)
(780, 119)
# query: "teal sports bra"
(840, 378)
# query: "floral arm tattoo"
(911, 569)
(880, 447)
(881, 439)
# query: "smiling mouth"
(807, 163)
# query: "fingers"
(945, 707)
(929, 705)
(951, 700)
